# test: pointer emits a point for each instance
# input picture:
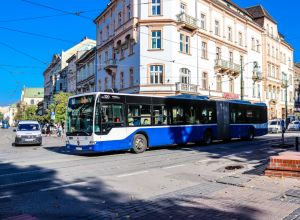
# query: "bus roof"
(181, 96)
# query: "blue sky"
(18, 69)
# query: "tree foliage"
(1, 116)
(60, 106)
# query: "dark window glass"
(160, 115)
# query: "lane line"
(62, 186)
(132, 174)
(174, 166)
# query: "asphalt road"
(48, 182)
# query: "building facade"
(297, 88)
(32, 96)
(56, 74)
(86, 72)
(203, 47)
(278, 65)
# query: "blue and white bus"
(100, 122)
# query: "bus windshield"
(80, 116)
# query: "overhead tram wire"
(21, 52)
(45, 16)
(78, 14)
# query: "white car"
(28, 133)
(274, 126)
(294, 126)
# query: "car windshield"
(274, 123)
(28, 127)
(80, 116)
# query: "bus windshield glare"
(80, 116)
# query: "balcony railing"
(184, 87)
(110, 64)
(230, 68)
(188, 21)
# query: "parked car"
(28, 133)
(294, 126)
(274, 126)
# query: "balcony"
(186, 88)
(110, 65)
(227, 67)
(188, 21)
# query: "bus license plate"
(78, 148)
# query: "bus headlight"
(92, 142)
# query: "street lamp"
(285, 85)
(255, 72)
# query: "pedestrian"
(48, 131)
(59, 130)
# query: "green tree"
(60, 106)
(1, 116)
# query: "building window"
(119, 18)
(32, 102)
(156, 39)
(219, 83)
(183, 8)
(131, 46)
(122, 80)
(129, 11)
(184, 44)
(156, 7)
(253, 43)
(240, 39)
(257, 45)
(231, 57)
(204, 50)
(205, 81)
(218, 53)
(229, 33)
(156, 74)
(185, 76)
(217, 27)
(269, 69)
(131, 77)
(107, 31)
(269, 50)
(277, 53)
(203, 21)
(106, 83)
(231, 85)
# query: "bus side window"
(160, 115)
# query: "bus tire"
(207, 137)
(139, 143)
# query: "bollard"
(297, 144)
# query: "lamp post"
(285, 86)
(255, 68)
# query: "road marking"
(25, 182)
(132, 174)
(63, 186)
(174, 166)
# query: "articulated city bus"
(100, 122)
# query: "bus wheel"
(139, 143)
(207, 138)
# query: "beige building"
(278, 68)
(202, 47)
